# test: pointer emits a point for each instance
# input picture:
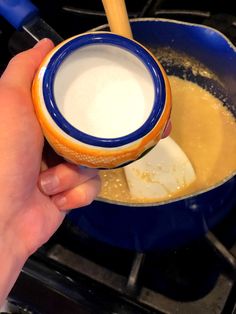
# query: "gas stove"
(74, 273)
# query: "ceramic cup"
(102, 100)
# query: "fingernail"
(41, 42)
(49, 183)
(60, 201)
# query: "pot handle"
(18, 12)
(22, 14)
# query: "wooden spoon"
(166, 168)
(117, 17)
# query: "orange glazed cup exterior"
(84, 149)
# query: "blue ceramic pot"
(173, 223)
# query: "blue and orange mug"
(63, 82)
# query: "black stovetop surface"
(77, 274)
(74, 273)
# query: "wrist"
(12, 262)
(13, 228)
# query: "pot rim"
(155, 19)
(170, 201)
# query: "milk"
(104, 91)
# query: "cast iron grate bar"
(75, 10)
(205, 14)
(145, 297)
(84, 12)
(230, 260)
(221, 250)
(150, 7)
(88, 268)
(46, 290)
(132, 283)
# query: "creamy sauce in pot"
(203, 128)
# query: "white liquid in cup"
(104, 91)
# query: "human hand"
(33, 203)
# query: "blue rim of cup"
(108, 39)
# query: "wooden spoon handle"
(117, 17)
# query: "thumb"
(22, 68)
